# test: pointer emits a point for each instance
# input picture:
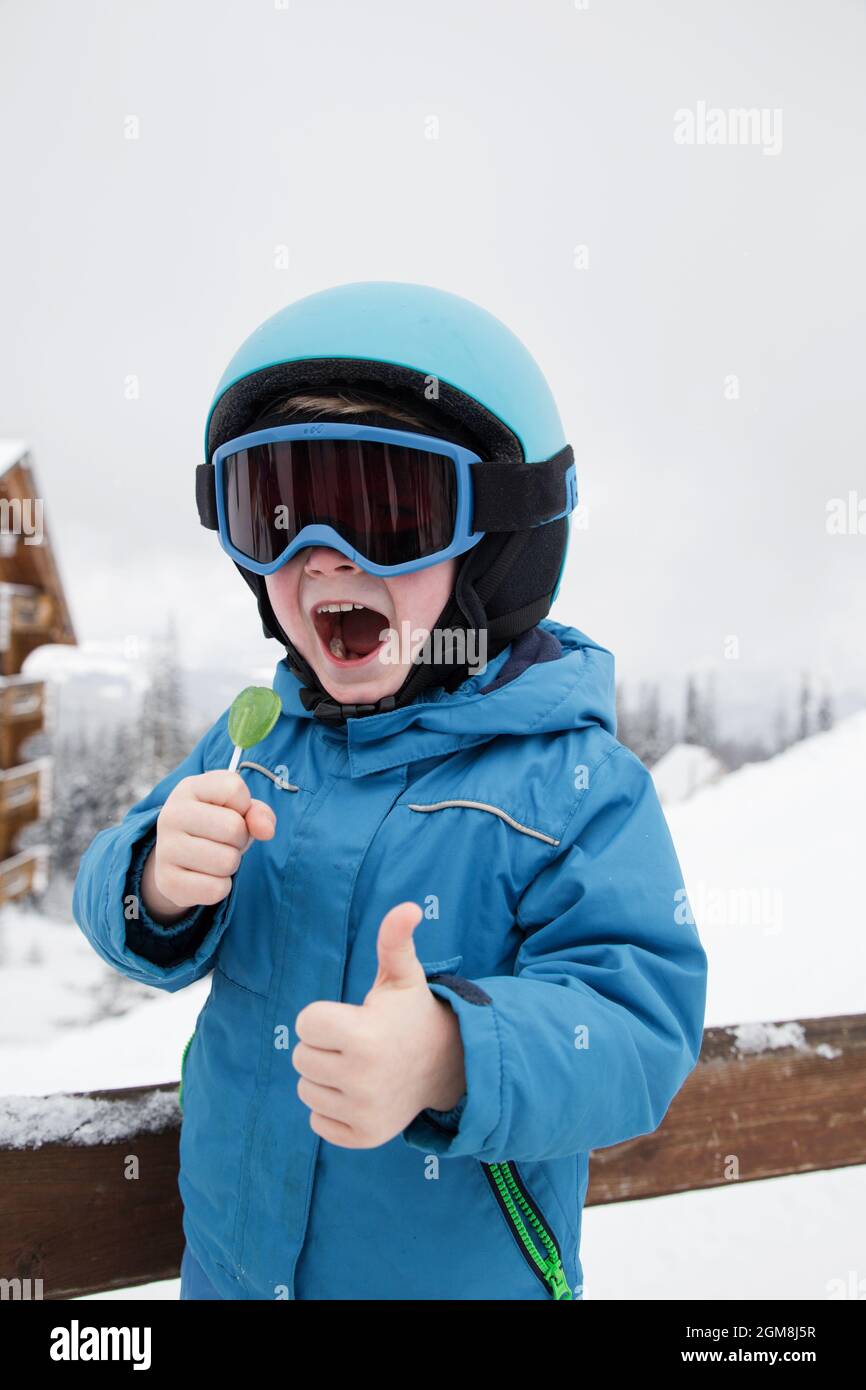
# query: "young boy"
(450, 947)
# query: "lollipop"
(252, 715)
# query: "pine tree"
(77, 802)
(804, 728)
(98, 776)
(124, 761)
(782, 734)
(623, 723)
(668, 734)
(93, 786)
(708, 723)
(164, 738)
(174, 739)
(692, 723)
(826, 716)
(649, 739)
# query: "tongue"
(361, 628)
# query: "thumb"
(260, 821)
(399, 965)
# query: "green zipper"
(548, 1263)
(182, 1065)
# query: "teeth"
(338, 647)
(337, 607)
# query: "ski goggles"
(390, 500)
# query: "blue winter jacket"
(555, 925)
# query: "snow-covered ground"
(772, 860)
(772, 857)
(52, 984)
(684, 770)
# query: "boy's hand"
(202, 831)
(368, 1069)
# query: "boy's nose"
(322, 560)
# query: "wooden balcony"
(33, 612)
(23, 873)
(25, 796)
(22, 714)
(28, 619)
(26, 556)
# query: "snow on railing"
(28, 1122)
(764, 1100)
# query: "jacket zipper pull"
(558, 1282)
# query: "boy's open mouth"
(348, 631)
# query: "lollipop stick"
(236, 757)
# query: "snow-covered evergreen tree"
(708, 719)
(692, 722)
(650, 737)
(164, 737)
(98, 777)
(804, 727)
(826, 716)
(78, 807)
(623, 723)
(782, 735)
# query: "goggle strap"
(507, 496)
(205, 495)
(516, 496)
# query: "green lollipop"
(252, 716)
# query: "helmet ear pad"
(270, 624)
(492, 582)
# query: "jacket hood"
(571, 692)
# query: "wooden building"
(33, 611)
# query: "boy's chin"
(358, 691)
(364, 686)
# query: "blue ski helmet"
(467, 378)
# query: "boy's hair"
(345, 401)
(342, 403)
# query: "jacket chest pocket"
(486, 808)
(467, 864)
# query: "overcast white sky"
(305, 126)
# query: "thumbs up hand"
(366, 1070)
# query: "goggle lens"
(390, 502)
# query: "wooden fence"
(764, 1100)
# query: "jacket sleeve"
(106, 902)
(589, 1040)
(157, 942)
